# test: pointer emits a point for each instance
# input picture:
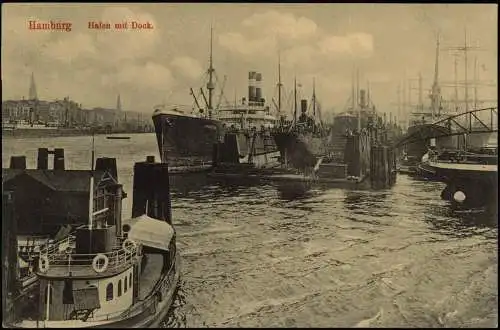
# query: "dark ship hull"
(418, 139)
(185, 140)
(300, 150)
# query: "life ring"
(99, 268)
(43, 264)
(129, 245)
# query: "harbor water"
(295, 255)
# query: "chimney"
(251, 86)
(18, 162)
(59, 159)
(258, 87)
(303, 106)
(43, 159)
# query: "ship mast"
(279, 83)
(476, 78)
(210, 84)
(456, 81)
(314, 98)
(435, 86)
(357, 100)
(295, 100)
(420, 92)
(353, 96)
(465, 48)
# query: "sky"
(388, 44)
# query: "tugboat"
(109, 273)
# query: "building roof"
(57, 180)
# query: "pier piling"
(43, 159)
(382, 174)
(58, 159)
(151, 194)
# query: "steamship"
(303, 141)
(106, 273)
(189, 139)
(248, 128)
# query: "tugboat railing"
(58, 257)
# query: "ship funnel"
(362, 98)
(251, 86)
(258, 87)
(303, 106)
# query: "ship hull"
(299, 150)
(254, 148)
(185, 140)
(419, 137)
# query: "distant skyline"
(386, 42)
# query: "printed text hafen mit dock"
(126, 25)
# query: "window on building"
(125, 286)
(109, 292)
(130, 280)
(119, 288)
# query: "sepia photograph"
(286, 165)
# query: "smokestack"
(18, 162)
(362, 98)
(251, 86)
(258, 87)
(43, 159)
(303, 106)
(58, 159)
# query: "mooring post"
(43, 159)
(151, 193)
(139, 198)
(58, 159)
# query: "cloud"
(187, 67)
(301, 42)
(351, 44)
(150, 76)
(70, 48)
(281, 25)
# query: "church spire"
(118, 103)
(32, 91)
